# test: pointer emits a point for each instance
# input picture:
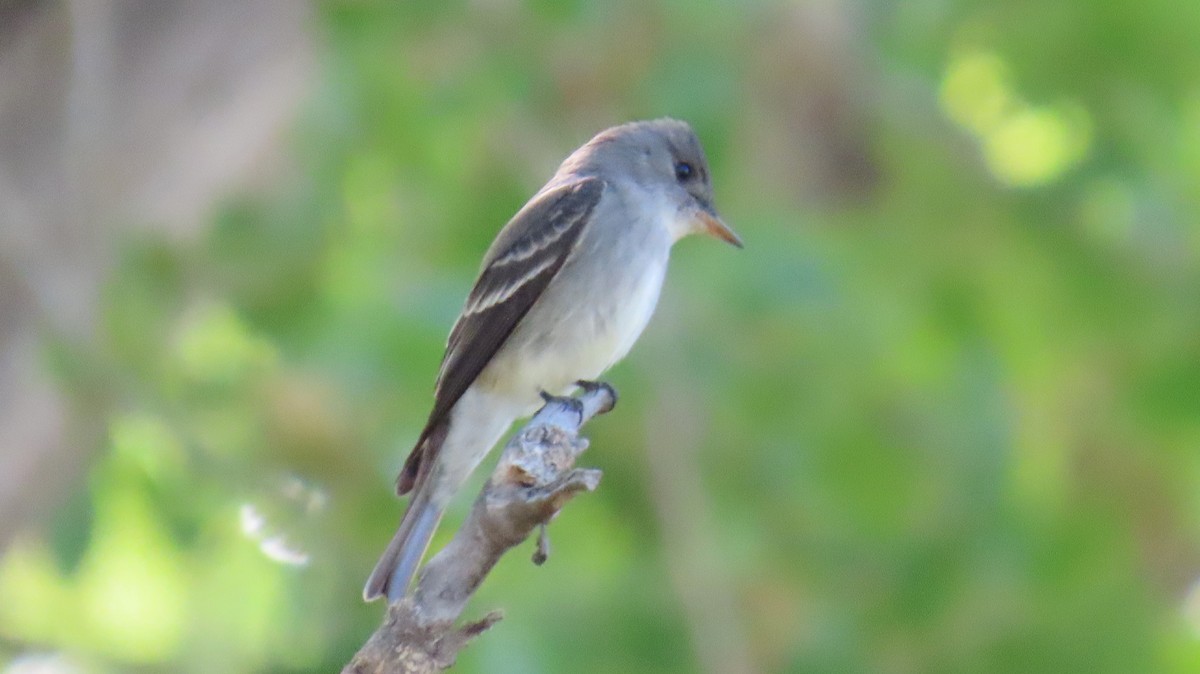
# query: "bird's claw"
(566, 401)
(593, 386)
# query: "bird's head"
(665, 155)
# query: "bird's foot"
(573, 404)
(597, 398)
(592, 386)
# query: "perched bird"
(564, 292)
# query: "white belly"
(614, 344)
(582, 340)
(590, 337)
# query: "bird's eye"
(683, 171)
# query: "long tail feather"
(394, 570)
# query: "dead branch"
(533, 480)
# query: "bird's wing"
(525, 257)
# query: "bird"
(564, 291)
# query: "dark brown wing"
(526, 255)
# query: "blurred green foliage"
(946, 404)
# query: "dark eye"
(683, 171)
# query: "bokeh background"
(942, 414)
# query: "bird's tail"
(396, 567)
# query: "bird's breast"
(581, 326)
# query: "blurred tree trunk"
(115, 116)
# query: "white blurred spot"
(272, 544)
(310, 498)
(42, 663)
(252, 520)
(277, 548)
(294, 502)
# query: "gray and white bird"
(564, 292)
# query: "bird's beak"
(714, 226)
